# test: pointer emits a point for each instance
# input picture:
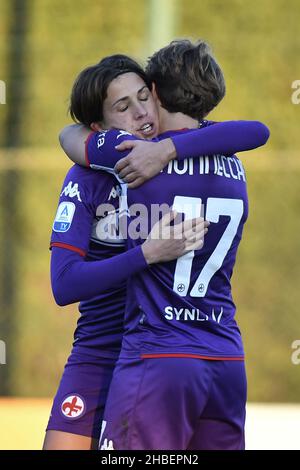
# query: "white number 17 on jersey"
(191, 207)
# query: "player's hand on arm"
(72, 140)
(167, 242)
(145, 160)
(101, 152)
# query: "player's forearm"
(72, 140)
(226, 138)
(74, 279)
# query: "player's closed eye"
(122, 109)
(144, 97)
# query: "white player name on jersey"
(228, 167)
(173, 313)
(179, 314)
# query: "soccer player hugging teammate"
(88, 263)
(179, 382)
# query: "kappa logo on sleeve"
(71, 190)
(64, 216)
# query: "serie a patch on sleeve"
(64, 216)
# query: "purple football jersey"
(81, 227)
(185, 307)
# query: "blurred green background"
(43, 45)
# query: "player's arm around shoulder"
(146, 160)
(93, 149)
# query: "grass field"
(23, 421)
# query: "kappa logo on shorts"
(107, 443)
(73, 406)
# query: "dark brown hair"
(90, 87)
(187, 78)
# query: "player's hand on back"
(166, 241)
(145, 160)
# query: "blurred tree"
(16, 78)
(162, 23)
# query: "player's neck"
(172, 121)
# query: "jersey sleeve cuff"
(137, 259)
(180, 146)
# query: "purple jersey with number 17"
(185, 308)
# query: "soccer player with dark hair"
(88, 264)
(180, 380)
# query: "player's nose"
(140, 111)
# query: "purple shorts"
(81, 396)
(175, 404)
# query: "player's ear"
(154, 94)
(153, 91)
(95, 126)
